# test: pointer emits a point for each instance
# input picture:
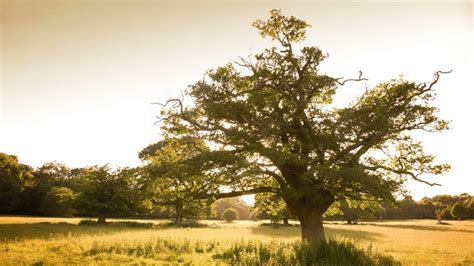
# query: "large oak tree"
(271, 115)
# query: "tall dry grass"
(26, 240)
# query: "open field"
(29, 240)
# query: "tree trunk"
(306, 200)
(312, 226)
(285, 221)
(179, 214)
(439, 216)
(101, 219)
(274, 223)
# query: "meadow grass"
(31, 240)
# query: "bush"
(331, 252)
(230, 214)
(87, 222)
(188, 223)
(121, 223)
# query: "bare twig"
(360, 78)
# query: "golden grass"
(29, 240)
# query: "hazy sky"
(78, 77)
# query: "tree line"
(54, 189)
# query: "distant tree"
(350, 214)
(439, 213)
(230, 215)
(173, 185)
(14, 179)
(460, 211)
(443, 204)
(351, 211)
(470, 206)
(104, 192)
(58, 201)
(236, 203)
(270, 206)
(45, 177)
(271, 117)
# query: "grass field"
(30, 240)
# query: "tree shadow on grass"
(44, 230)
(353, 234)
(295, 231)
(440, 227)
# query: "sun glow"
(78, 79)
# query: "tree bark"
(309, 205)
(179, 214)
(101, 219)
(312, 226)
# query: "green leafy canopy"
(270, 115)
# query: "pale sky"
(78, 78)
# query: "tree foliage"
(353, 210)
(104, 192)
(58, 201)
(271, 115)
(236, 203)
(460, 211)
(270, 206)
(45, 177)
(14, 179)
(173, 179)
(230, 215)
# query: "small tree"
(442, 206)
(230, 215)
(237, 203)
(439, 213)
(270, 206)
(351, 211)
(460, 211)
(173, 179)
(58, 201)
(106, 192)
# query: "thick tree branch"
(244, 192)
(218, 195)
(277, 177)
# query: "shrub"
(130, 224)
(230, 214)
(331, 252)
(87, 222)
(189, 223)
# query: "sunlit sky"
(78, 77)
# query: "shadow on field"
(352, 234)
(51, 230)
(294, 231)
(445, 228)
